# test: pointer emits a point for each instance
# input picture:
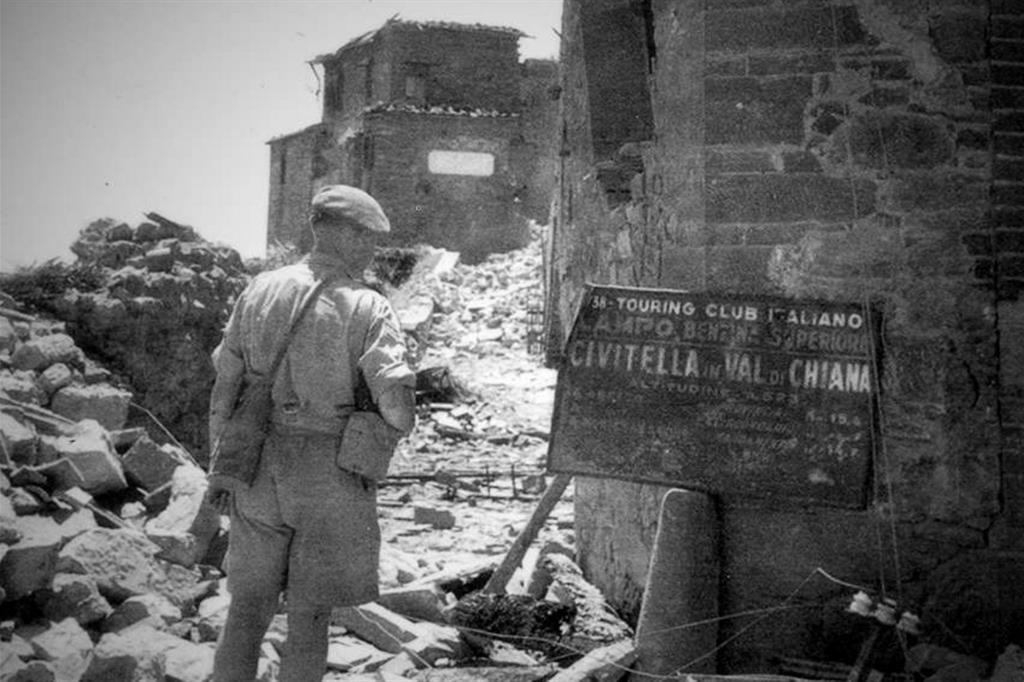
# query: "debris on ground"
(111, 564)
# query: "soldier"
(305, 527)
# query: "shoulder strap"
(307, 303)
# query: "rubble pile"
(111, 564)
(110, 570)
(476, 323)
(158, 312)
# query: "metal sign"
(736, 395)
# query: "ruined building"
(442, 123)
(835, 150)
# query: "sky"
(113, 108)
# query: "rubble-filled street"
(111, 562)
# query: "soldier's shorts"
(305, 526)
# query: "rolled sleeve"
(383, 359)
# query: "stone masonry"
(849, 150)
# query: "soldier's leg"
(257, 565)
(305, 652)
(238, 649)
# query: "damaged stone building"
(837, 150)
(442, 123)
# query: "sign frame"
(820, 438)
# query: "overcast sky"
(114, 108)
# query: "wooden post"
(498, 581)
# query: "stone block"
(181, 659)
(816, 27)
(883, 97)
(150, 609)
(958, 36)
(1008, 169)
(124, 564)
(8, 337)
(21, 386)
(30, 564)
(1009, 123)
(20, 441)
(159, 259)
(725, 66)
(106, 312)
(31, 671)
(440, 519)
(753, 111)
(774, 64)
(1007, 98)
(96, 468)
(24, 502)
(881, 139)
(101, 402)
(436, 643)
(196, 254)
(1012, 195)
(400, 567)
(345, 652)
(379, 626)
(116, 657)
(1009, 666)
(741, 268)
(23, 330)
(9, 532)
(738, 162)
(151, 232)
(118, 253)
(783, 198)
(39, 353)
(118, 233)
(935, 192)
(95, 374)
(149, 465)
(420, 603)
(65, 645)
(74, 596)
(800, 162)
(213, 613)
(186, 514)
(55, 377)
(124, 439)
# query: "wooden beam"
(498, 581)
(606, 664)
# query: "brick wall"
(1006, 49)
(407, 65)
(534, 149)
(295, 161)
(470, 214)
(862, 150)
(472, 69)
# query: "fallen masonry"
(112, 565)
(112, 568)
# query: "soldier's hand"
(219, 492)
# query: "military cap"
(352, 203)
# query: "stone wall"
(852, 150)
(295, 160)
(477, 69)
(471, 214)
(535, 150)
(454, 87)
